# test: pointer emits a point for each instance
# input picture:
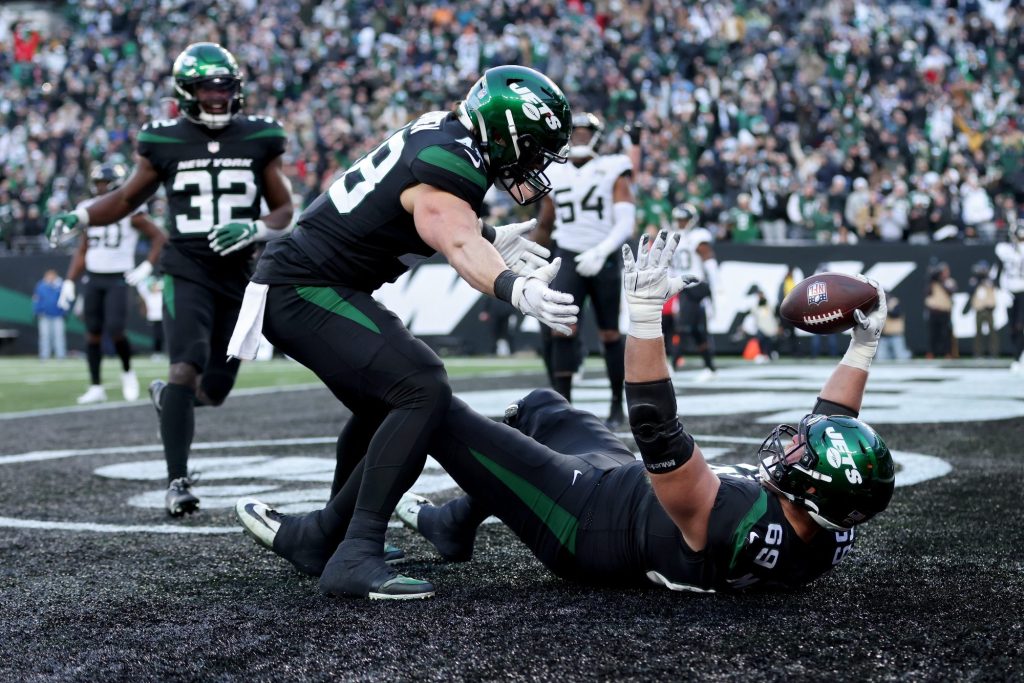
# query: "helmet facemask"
(192, 108)
(110, 174)
(838, 484)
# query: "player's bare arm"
(152, 232)
(545, 223)
(682, 481)
(277, 191)
(77, 265)
(449, 225)
(139, 187)
(845, 386)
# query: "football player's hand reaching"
(139, 273)
(63, 226)
(865, 334)
(532, 296)
(648, 284)
(67, 295)
(229, 237)
(521, 255)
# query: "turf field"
(99, 585)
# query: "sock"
(124, 352)
(177, 426)
(709, 360)
(452, 527)
(615, 362)
(93, 355)
(563, 385)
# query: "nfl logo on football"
(817, 292)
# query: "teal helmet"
(207, 63)
(523, 123)
(840, 471)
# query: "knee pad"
(217, 385)
(564, 355)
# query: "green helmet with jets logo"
(838, 469)
(211, 64)
(523, 123)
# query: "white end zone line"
(914, 469)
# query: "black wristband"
(664, 444)
(825, 407)
(488, 232)
(503, 285)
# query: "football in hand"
(824, 303)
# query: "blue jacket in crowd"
(44, 302)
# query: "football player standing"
(217, 166)
(588, 215)
(419, 192)
(695, 259)
(1011, 256)
(106, 254)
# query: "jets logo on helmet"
(837, 468)
(111, 174)
(586, 135)
(209, 65)
(523, 122)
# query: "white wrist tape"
(859, 355)
(83, 217)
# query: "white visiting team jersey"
(583, 199)
(111, 247)
(686, 260)
(1012, 256)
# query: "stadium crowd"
(835, 121)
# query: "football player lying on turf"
(591, 512)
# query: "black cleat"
(358, 570)
(616, 419)
(156, 390)
(179, 499)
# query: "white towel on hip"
(245, 340)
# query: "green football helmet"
(840, 470)
(523, 123)
(210, 64)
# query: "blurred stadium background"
(855, 135)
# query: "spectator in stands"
(892, 345)
(938, 304)
(983, 304)
(46, 305)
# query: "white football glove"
(647, 283)
(67, 295)
(590, 262)
(532, 296)
(139, 273)
(228, 237)
(521, 255)
(865, 334)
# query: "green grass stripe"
(327, 299)
(739, 537)
(450, 161)
(556, 518)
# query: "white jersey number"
(366, 173)
(235, 188)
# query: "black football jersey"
(210, 177)
(750, 542)
(357, 234)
